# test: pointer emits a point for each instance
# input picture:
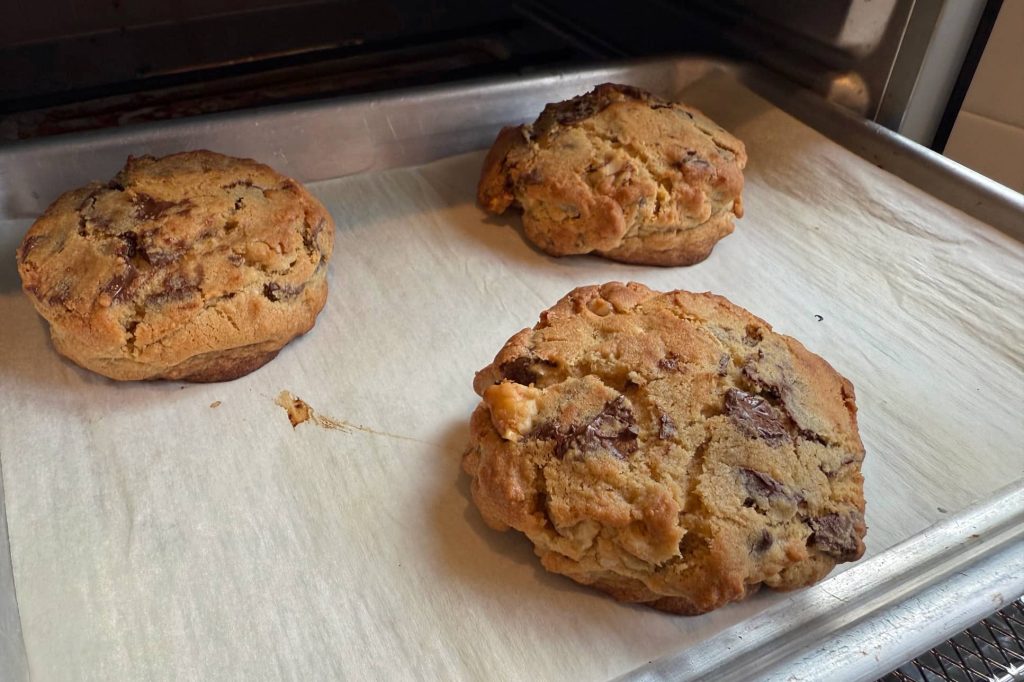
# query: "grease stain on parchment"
(299, 412)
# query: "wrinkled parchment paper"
(156, 537)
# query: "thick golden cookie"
(196, 266)
(669, 449)
(620, 173)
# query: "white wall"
(988, 135)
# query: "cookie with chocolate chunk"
(195, 267)
(669, 449)
(620, 173)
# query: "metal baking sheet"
(154, 536)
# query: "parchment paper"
(156, 537)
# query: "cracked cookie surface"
(669, 449)
(196, 266)
(620, 173)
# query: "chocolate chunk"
(755, 417)
(160, 257)
(812, 436)
(666, 427)
(831, 473)
(723, 365)
(763, 543)
(151, 208)
(130, 248)
(613, 429)
(115, 185)
(836, 535)
(519, 370)
(761, 484)
(59, 294)
(89, 201)
(533, 177)
(175, 287)
(120, 285)
(29, 244)
(583, 107)
(766, 390)
(158, 250)
(310, 233)
(763, 490)
(277, 292)
(669, 363)
(575, 110)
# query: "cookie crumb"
(819, 318)
(215, 404)
(298, 411)
(941, 510)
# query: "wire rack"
(989, 651)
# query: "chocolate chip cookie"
(669, 449)
(620, 173)
(195, 266)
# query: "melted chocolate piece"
(583, 107)
(723, 365)
(519, 370)
(29, 244)
(533, 177)
(613, 429)
(130, 248)
(807, 434)
(89, 201)
(160, 252)
(763, 490)
(755, 417)
(176, 287)
(59, 294)
(836, 535)
(761, 484)
(310, 233)
(666, 427)
(276, 292)
(151, 208)
(120, 285)
(763, 543)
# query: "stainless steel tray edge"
(878, 614)
(333, 138)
